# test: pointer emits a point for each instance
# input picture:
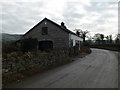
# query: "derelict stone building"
(52, 36)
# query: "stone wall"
(16, 62)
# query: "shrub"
(86, 44)
(113, 47)
(29, 44)
(8, 47)
(85, 50)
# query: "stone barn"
(50, 35)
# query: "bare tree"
(117, 39)
(102, 37)
(81, 33)
(109, 38)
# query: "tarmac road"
(97, 70)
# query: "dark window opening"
(45, 45)
(44, 30)
(77, 43)
(71, 43)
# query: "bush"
(113, 47)
(29, 44)
(86, 44)
(85, 50)
(8, 47)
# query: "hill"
(10, 37)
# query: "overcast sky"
(95, 16)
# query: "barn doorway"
(45, 45)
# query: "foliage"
(86, 44)
(117, 39)
(106, 44)
(81, 33)
(99, 38)
(8, 47)
(113, 47)
(86, 50)
(28, 44)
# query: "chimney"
(63, 25)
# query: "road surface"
(97, 70)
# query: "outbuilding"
(50, 35)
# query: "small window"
(44, 30)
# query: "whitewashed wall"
(74, 38)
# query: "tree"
(117, 39)
(110, 37)
(107, 38)
(102, 37)
(9, 46)
(81, 33)
(89, 39)
(78, 33)
(97, 38)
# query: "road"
(97, 70)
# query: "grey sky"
(96, 17)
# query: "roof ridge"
(67, 30)
(61, 27)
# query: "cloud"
(19, 17)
